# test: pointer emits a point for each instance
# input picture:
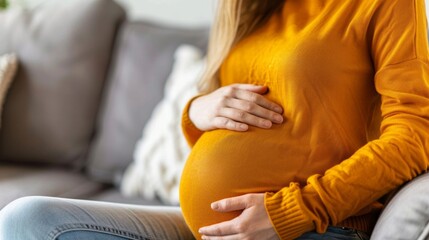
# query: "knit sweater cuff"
(190, 131)
(287, 213)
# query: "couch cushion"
(20, 181)
(407, 214)
(143, 61)
(64, 50)
(113, 195)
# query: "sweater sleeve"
(190, 131)
(397, 39)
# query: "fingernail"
(243, 126)
(215, 206)
(278, 109)
(278, 118)
(267, 123)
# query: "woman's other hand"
(235, 107)
(253, 222)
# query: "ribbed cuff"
(190, 131)
(286, 211)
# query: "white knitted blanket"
(8, 68)
(162, 151)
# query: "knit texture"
(353, 80)
(8, 69)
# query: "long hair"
(234, 20)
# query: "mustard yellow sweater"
(353, 79)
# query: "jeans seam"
(96, 228)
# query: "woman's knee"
(30, 218)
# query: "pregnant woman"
(289, 137)
(311, 113)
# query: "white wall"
(174, 12)
(177, 12)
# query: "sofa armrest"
(407, 214)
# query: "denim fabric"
(335, 233)
(88, 235)
(46, 218)
(332, 233)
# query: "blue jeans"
(332, 233)
(46, 218)
(336, 233)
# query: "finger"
(244, 117)
(251, 87)
(258, 99)
(220, 229)
(226, 123)
(254, 109)
(231, 204)
(229, 237)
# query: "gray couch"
(87, 84)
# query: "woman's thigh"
(55, 218)
(335, 233)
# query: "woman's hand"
(235, 107)
(253, 223)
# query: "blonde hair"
(234, 20)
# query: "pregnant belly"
(225, 164)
